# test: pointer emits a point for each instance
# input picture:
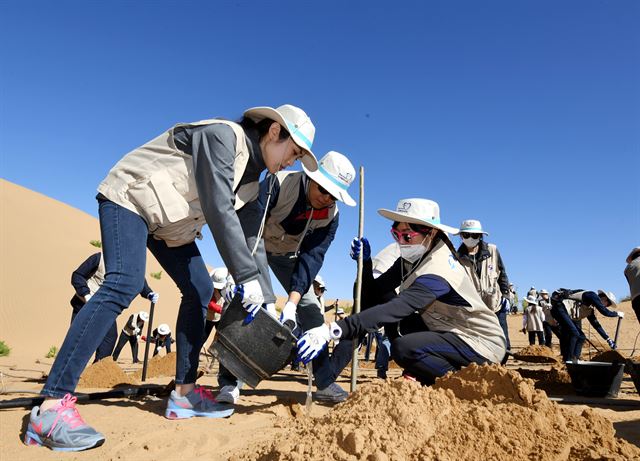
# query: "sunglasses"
(404, 236)
(467, 235)
(324, 191)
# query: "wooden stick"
(356, 301)
(146, 345)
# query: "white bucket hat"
(219, 277)
(320, 282)
(339, 311)
(144, 316)
(531, 300)
(296, 122)
(472, 226)
(335, 173)
(610, 296)
(544, 292)
(418, 211)
(164, 329)
(633, 254)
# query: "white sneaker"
(229, 394)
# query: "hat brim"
(604, 293)
(633, 254)
(474, 232)
(399, 217)
(260, 113)
(336, 191)
(219, 285)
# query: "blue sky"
(525, 115)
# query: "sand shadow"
(628, 430)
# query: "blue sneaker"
(61, 428)
(198, 402)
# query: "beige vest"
(575, 308)
(476, 324)
(96, 280)
(533, 318)
(487, 284)
(157, 182)
(276, 239)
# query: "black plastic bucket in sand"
(596, 379)
(253, 351)
(634, 370)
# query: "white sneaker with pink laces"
(198, 402)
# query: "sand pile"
(104, 374)
(609, 356)
(536, 354)
(505, 419)
(160, 366)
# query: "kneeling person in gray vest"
(457, 328)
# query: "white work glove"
(229, 289)
(621, 314)
(136, 331)
(87, 297)
(314, 340)
(289, 314)
(158, 349)
(153, 297)
(252, 298)
(271, 310)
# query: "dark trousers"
(428, 355)
(635, 304)
(105, 349)
(533, 335)
(548, 329)
(571, 336)
(124, 339)
(502, 319)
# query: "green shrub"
(156, 275)
(4, 349)
(53, 351)
(96, 243)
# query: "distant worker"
(569, 307)
(131, 334)
(513, 299)
(484, 264)
(86, 280)
(532, 292)
(632, 273)
(549, 325)
(532, 321)
(319, 288)
(219, 277)
(161, 337)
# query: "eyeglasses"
(404, 236)
(324, 191)
(467, 235)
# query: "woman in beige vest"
(158, 197)
(456, 327)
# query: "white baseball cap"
(319, 281)
(472, 226)
(609, 295)
(164, 329)
(417, 211)
(296, 122)
(144, 316)
(335, 173)
(219, 277)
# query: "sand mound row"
(478, 413)
(159, 366)
(555, 380)
(104, 374)
(536, 354)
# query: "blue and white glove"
(505, 304)
(153, 297)
(358, 245)
(316, 339)
(289, 315)
(252, 298)
(611, 344)
(621, 314)
(229, 289)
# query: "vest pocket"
(158, 200)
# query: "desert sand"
(34, 314)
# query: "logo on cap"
(346, 177)
(404, 207)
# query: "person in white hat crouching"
(455, 327)
(161, 337)
(485, 266)
(302, 220)
(569, 307)
(131, 333)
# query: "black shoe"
(331, 394)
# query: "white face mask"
(471, 242)
(412, 253)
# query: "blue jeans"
(105, 349)
(125, 238)
(502, 319)
(571, 336)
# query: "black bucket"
(634, 371)
(254, 351)
(596, 379)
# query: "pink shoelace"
(205, 394)
(69, 413)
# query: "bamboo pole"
(146, 345)
(357, 297)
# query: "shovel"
(309, 401)
(615, 338)
(146, 346)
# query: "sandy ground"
(34, 315)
